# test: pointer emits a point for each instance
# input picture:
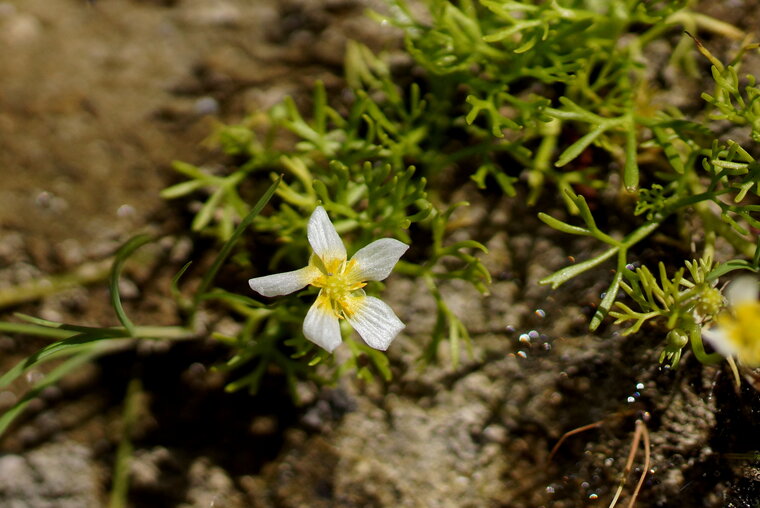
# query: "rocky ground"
(97, 98)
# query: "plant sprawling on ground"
(547, 102)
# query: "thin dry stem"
(645, 434)
(572, 433)
(641, 431)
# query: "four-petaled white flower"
(737, 330)
(340, 282)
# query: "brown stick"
(641, 430)
(645, 433)
(572, 433)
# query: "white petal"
(375, 321)
(323, 238)
(283, 283)
(376, 260)
(718, 340)
(742, 290)
(321, 326)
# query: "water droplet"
(550, 490)
(510, 328)
(631, 400)
(206, 106)
(547, 346)
(522, 354)
(43, 199)
(540, 313)
(585, 485)
(533, 334)
(609, 461)
(524, 338)
(125, 211)
(639, 386)
(593, 497)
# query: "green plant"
(541, 101)
(74, 345)
(548, 86)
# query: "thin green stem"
(145, 332)
(227, 248)
(695, 338)
(120, 482)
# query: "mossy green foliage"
(545, 95)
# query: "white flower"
(340, 282)
(737, 331)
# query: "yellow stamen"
(742, 329)
(337, 284)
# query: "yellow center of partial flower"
(742, 329)
(338, 284)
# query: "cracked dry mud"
(98, 97)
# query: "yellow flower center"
(338, 284)
(742, 329)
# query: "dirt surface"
(97, 98)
